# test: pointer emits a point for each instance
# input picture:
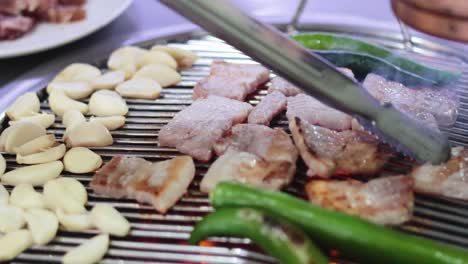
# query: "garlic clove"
(162, 74)
(35, 175)
(43, 225)
(36, 145)
(142, 88)
(108, 80)
(45, 120)
(4, 196)
(74, 90)
(91, 251)
(88, 134)
(158, 57)
(184, 58)
(60, 103)
(14, 243)
(74, 222)
(11, 218)
(57, 196)
(25, 105)
(81, 160)
(24, 196)
(107, 103)
(77, 72)
(21, 133)
(45, 156)
(107, 219)
(110, 122)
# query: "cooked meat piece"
(195, 129)
(442, 103)
(288, 89)
(234, 81)
(63, 14)
(253, 154)
(17, 7)
(12, 27)
(311, 110)
(72, 2)
(326, 152)
(387, 201)
(449, 179)
(271, 105)
(160, 184)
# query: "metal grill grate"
(162, 238)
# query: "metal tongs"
(315, 76)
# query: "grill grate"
(162, 238)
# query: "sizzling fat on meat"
(12, 27)
(160, 184)
(231, 80)
(253, 154)
(271, 105)
(441, 103)
(195, 129)
(449, 179)
(326, 152)
(387, 201)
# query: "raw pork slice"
(195, 129)
(449, 179)
(387, 201)
(253, 154)
(160, 184)
(442, 103)
(326, 152)
(271, 105)
(311, 110)
(12, 27)
(234, 81)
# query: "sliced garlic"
(11, 218)
(107, 103)
(110, 122)
(160, 73)
(24, 196)
(81, 160)
(48, 155)
(74, 90)
(91, 251)
(108, 80)
(143, 88)
(57, 196)
(13, 243)
(45, 120)
(4, 136)
(158, 57)
(36, 145)
(72, 117)
(21, 133)
(126, 59)
(74, 222)
(107, 219)
(184, 58)
(76, 72)
(2, 165)
(88, 134)
(4, 196)
(43, 225)
(74, 188)
(59, 103)
(35, 174)
(25, 105)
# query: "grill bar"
(162, 238)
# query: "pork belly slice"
(386, 201)
(442, 103)
(288, 89)
(231, 80)
(253, 154)
(327, 152)
(271, 105)
(17, 7)
(195, 129)
(311, 110)
(12, 27)
(160, 184)
(63, 14)
(449, 179)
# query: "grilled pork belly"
(12, 27)
(441, 103)
(326, 152)
(271, 105)
(160, 184)
(449, 179)
(253, 154)
(62, 14)
(230, 80)
(387, 201)
(195, 129)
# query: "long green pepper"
(276, 236)
(327, 42)
(354, 238)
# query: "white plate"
(45, 36)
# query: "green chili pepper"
(276, 236)
(323, 41)
(353, 237)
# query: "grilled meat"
(268, 108)
(195, 129)
(230, 80)
(160, 184)
(387, 201)
(12, 27)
